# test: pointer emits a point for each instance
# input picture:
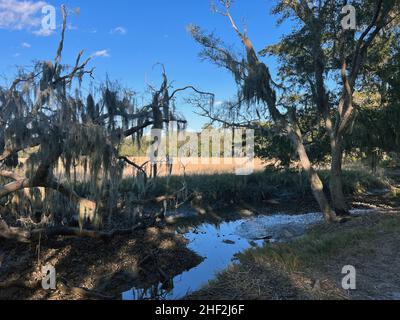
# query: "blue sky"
(131, 36)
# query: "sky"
(127, 38)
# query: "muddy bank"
(90, 269)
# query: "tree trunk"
(336, 182)
(317, 185)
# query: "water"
(220, 244)
(208, 241)
(278, 228)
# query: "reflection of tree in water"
(160, 291)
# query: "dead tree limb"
(24, 236)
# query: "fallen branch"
(13, 233)
(136, 166)
(158, 200)
(24, 236)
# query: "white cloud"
(20, 15)
(218, 103)
(119, 30)
(102, 54)
(26, 45)
(43, 32)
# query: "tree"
(329, 50)
(257, 89)
(44, 115)
(316, 48)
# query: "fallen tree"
(44, 116)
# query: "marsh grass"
(225, 189)
(266, 185)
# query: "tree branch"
(192, 88)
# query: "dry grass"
(204, 166)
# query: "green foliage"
(377, 129)
(275, 147)
(270, 145)
(376, 124)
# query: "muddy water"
(220, 244)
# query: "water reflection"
(156, 292)
(217, 244)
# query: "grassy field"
(269, 188)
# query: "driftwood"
(12, 233)
(25, 236)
